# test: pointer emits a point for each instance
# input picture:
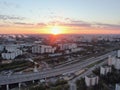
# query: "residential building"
(91, 80)
(117, 87)
(67, 46)
(11, 55)
(105, 69)
(118, 53)
(111, 60)
(114, 61)
(43, 49)
(117, 64)
(1, 47)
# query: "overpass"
(6, 80)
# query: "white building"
(111, 60)
(117, 64)
(67, 46)
(105, 69)
(117, 87)
(91, 80)
(11, 55)
(11, 48)
(1, 47)
(35, 69)
(114, 61)
(43, 49)
(118, 53)
(36, 49)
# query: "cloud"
(41, 24)
(8, 17)
(58, 20)
(69, 22)
(80, 23)
(29, 25)
(61, 21)
(74, 23)
(22, 23)
(107, 26)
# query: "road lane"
(50, 73)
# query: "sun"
(55, 30)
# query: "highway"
(52, 72)
(72, 82)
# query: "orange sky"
(40, 16)
(47, 30)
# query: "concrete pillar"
(19, 85)
(35, 69)
(7, 87)
(33, 81)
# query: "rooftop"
(91, 75)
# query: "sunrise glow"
(59, 18)
(55, 31)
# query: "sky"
(70, 16)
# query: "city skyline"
(68, 17)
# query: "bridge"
(6, 80)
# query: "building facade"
(11, 55)
(114, 61)
(105, 69)
(67, 46)
(111, 60)
(43, 49)
(117, 87)
(117, 64)
(91, 80)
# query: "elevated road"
(4, 80)
(72, 82)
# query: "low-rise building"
(111, 60)
(117, 64)
(11, 48)
(114, 61)
(105, 69)
(43, 49)
(35, 69)
(118, 53)
(36, 49)
(67, 46)
(11, 55)
(91, 80)
(117, 87)
(1, 47)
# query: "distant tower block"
(109, 56)
(117, 64)
(117, 86)
(118, 53)
(35, 69)
(111, 61)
